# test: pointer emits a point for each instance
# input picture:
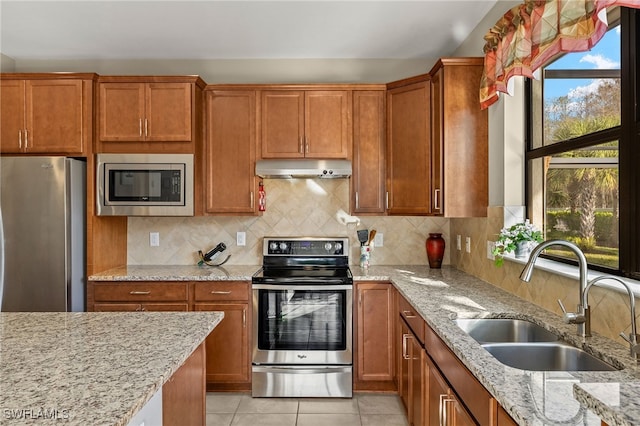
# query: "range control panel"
(305, 247)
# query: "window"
(582, 167)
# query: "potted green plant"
(516, 239)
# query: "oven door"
(302, 324)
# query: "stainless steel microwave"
(144, 184)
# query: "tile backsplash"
(295, 207)
(610, 310)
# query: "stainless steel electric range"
(302, 319)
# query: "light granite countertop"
(440, 295)
(178, 273)
(92, 368)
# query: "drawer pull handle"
(408, 314)
(139, 293)
(220, 292)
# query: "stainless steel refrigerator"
(42, 234)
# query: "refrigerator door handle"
(1, 258)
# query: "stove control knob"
(328, 246)
(283, 246)
(273, 246)
(338, 247)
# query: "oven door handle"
(302, 370)
(315, 287)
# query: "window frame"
(628, 136)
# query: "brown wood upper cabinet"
(311, 123)
(368, 177)
(409, 147)
(230, 152)
(459, 149)
(147, 116)
(46, 115)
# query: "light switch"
(467, 244)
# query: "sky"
(604, 55)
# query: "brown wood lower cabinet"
(183, 395)
(411, 375)
(228, 349)
(434, 385)
(374, 323)
(228, 359)
(444, 408)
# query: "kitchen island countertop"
(533, 398)
(92, 368)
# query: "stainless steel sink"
(504, 330)
(550, 356)
(528, 346)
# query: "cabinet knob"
(139, 293)
(220, 292)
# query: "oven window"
(302, 320)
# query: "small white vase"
(522, 249)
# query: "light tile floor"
(364, 409)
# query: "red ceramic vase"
(435, 250)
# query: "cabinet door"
(327, 124)
(54, 116)
(122, 112)
(168, 112)
(416, 373)
(408, 150)
(374, 317)
(368, 177)
(230, 152)
(282, 124)
(228, 358)
(464, 133)
(12, 115)
(404, 355)
(437, 390)
(437, 124)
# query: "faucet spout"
(633, 337)
(581, 317)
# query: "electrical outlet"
(241, 238)
(378, 240)
(490, 246)
(154, 239)
(467, 244)
(458, 242)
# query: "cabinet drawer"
(413, 319)
(143, 292)
(221, 290)
(137, 307)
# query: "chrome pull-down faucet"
(633, 337)
(582, 316)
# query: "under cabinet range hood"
(303, 168)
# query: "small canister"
(365, 255)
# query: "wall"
(507, 197)
(247, 70)
(295, 207)
(7, 64)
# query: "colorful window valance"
(531, 34)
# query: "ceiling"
(76, 30)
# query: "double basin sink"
(528, 346)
